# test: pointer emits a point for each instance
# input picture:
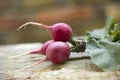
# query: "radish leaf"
(104, 54)
(103, 46)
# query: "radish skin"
(58, 52)
(61, 32)
(42, 50)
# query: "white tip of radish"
(15, 57)
(24, 25)
(34, 24)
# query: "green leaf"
(109, 25)
(97, 34)
(103, 46)
(117, 27)
(116, 33)
(104, 54)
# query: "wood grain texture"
(74, 69)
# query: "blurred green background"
(81, 15)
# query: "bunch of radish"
(56, 50)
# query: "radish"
(59, 31)
(58, 52)
(42, 50)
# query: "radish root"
(15, 57)
(30, 66)
(34, 24)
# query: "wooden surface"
(77, 69)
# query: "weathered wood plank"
(80, 68)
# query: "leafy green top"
(103, 46)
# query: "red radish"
(59, 31)
(42, 50)
(58, 52)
